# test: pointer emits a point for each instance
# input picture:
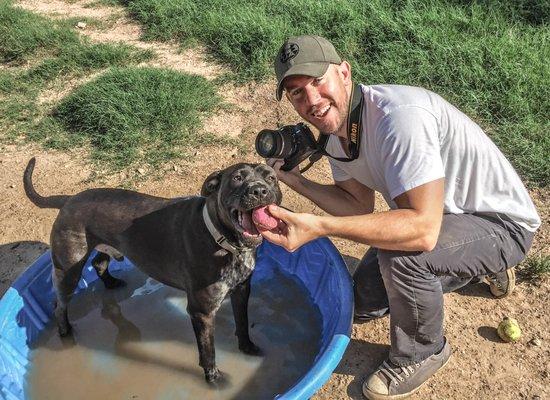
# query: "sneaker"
(366, 317)
(391, 381)
(502, 284)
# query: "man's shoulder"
(389, 107)
(389, 97)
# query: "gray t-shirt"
(412, 136)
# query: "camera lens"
(277, 144)
(266, 143)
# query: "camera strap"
(355, 112)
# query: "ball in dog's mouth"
(250, 222)
(263, 219)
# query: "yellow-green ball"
(509, 330)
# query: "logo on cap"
(289, 52)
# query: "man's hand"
(290, 178)
(295, 230)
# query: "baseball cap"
(304, 55)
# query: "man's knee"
(393, 262)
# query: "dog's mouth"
(242, 220)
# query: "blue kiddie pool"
(317, 269)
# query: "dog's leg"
(203, 312)
(101, 264)
(239, 303)
(65, 280)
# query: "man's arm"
(413, 227)
(344, 198)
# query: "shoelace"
(396, 377)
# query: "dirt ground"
(482, 366)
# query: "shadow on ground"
(15, 258)
(360, 360)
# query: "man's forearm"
(331, 198)
(401, 229)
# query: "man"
(459, 212)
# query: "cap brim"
(315, 69)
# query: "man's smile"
(320, 112)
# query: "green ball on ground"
(509, 330)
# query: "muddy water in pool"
(137, 342)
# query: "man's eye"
(296, 92)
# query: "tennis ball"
(509, 330)
(263, 219)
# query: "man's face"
(323, 101)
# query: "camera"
(293, 143)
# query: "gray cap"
(304, 55)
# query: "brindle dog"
(169, 240)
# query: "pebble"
(81, 25)
(141, 171)
(535, 342)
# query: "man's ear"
(211, 184)
(345, 72)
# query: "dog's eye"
(237, 178)
(271, 178)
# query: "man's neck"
(342, 132)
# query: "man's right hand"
(290, 178)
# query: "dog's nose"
(259, 191)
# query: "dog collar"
(218, 237)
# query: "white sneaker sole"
(377, 396)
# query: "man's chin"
(323, 126)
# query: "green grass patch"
(22, 34)
(535, 267)
(489, 58)
(43, 54)
(138, 114)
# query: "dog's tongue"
(248, 225)
(263, 219)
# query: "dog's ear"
(211, 184)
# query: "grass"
(489, 58)
(124, 115)
(22, 34)
(534, 267)
(139, 114)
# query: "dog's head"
(238, 190)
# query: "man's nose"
(312, 95)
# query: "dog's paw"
(251, 349)
(212, 375)
(64, 330)
(216, 380)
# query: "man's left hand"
(295, 230)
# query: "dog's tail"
(42, 202)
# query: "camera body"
(293, 143)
